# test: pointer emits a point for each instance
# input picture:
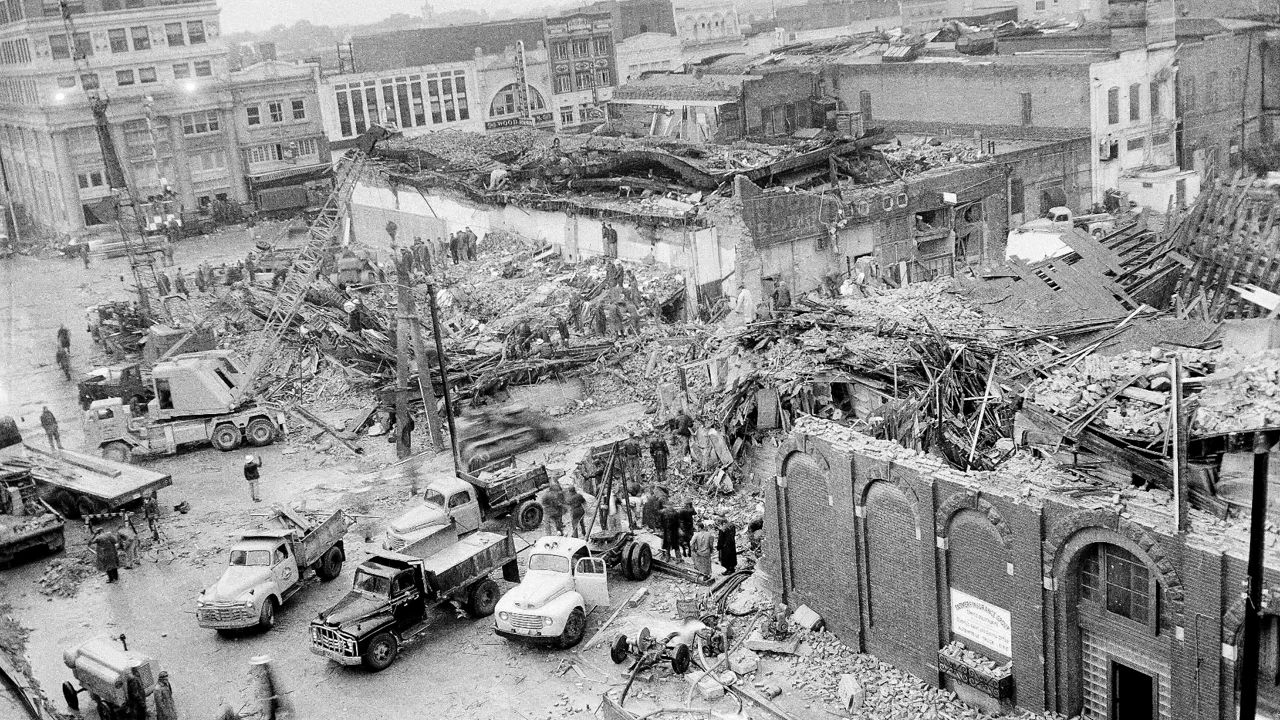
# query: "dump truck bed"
(468, 559)
(113, 482)
(325, 535)
(509, 484)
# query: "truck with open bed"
(469, 499)
(269, 565)
(394, 598)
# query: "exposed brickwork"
(894, 587)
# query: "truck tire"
(117, 451)
(260, 432)
(267, 616)
(641, 561)
(680, 660)
(483, 598)
(71, 696)
(575, 626)
(226, 437)
(330, 565)
(381, 652)
(65, 503)
(528, 516)
(618, 650)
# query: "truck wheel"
(680, 661)
(260, 432)
(618, 650)
(381, 652)
(71, 696)
(117, 451)
(65, 503)
(574, 628)
(624, 560)
(87, 506)
(267, 617)
(529, 516)
(226, 437)
(330, 565)
(483, 598)
(641, 561)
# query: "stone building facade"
(1101, 613)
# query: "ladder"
(306, 264)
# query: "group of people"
(556, 501)
(430, 256)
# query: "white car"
(561, 585)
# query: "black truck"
(394, 596)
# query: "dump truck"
(266, 567)
(27, 523)
(123, 382)
(562, 583)
(489, 436)
(198, 399)
(77, 484)
(394, 598)
(467, 500)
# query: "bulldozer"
(491, 435)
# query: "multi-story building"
(584, 67)
(278, 127)
(701, 21)
(171, 107)
(159, 66)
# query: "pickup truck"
(562, 583)
(76, 484)
(468, 500)
(394, 596)
(267, 567)
(26, 523)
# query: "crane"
(142, 265)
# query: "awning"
(291, 176)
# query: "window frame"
(253, 115)
(182, 74)
(299, 108)
(1113, 105)
(199, 32)
(142, 75)
(1097, 563)
(140, 41)
(275, 111)
(1135, 102)
(207, 65)
(174, 31)
(122, 75)
(118, 39)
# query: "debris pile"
(62, 576)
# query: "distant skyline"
(259, 15)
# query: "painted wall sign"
(980, 621)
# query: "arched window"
(1117, 581)
(505, 103)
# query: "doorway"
(1132, 694)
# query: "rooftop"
(429, 46)
(680, 87)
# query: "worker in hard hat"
(251, 465)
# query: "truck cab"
(446, 500)
(563, 582)
(261, 573)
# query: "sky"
(257, 15)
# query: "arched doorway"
(506, 102)
(1117, 628)
(894, 580)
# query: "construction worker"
(577, 505)
(63, 358)
(553, 509)
(252, 463)
(701, 545)
(106, 552)
(64, 338)
(659, 451)
(454, 243)
(50, 425)
(615, 318)
(575, 310)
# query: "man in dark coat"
(454, 242)
(669, 524)
(50, 425)
(553, 509)
(659, 451)
(687, 516)
(64, 337)
(727, 544)
(631, 460)
(106, 553)
(63, 358)
(575, 310)
(781, 296)
(598, 323)
(577, 505)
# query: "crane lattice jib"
(302, 273)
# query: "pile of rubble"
(1130, 393)
(920, 154)
(63, 576)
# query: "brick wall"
(1213, 79)
(967, 94)
(795, 88)
(873, 575)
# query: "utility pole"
(444, 374)
(403, 447)
(1262, 444)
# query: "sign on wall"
(980, 621)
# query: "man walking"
(577, 511)
(63, 358)
(106, 553)
(128, 544)
(50, 425)
(64, 338)
(631, 460)
(669, 522)
(252, 463)
(553, 509)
